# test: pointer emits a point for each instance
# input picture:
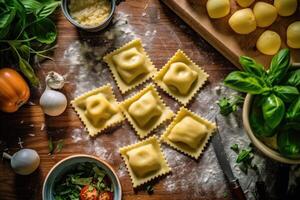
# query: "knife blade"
(222, 158)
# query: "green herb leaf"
(235, 148)
(7, 17)
(294, 78)
(293, 112)
(50, 145)
(252, 67)
(245, 82)
(44, 30)
(286, 93)
(273, 110)
(27, 70)
(288, 141)
(280, 64)
(48, 9)
(31, 6)
(81, 181)
(243, 156)
(59, 146)
(228, 106)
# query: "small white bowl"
(271, 153)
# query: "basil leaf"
(252, 67)
(28, 72)
(31, 6)
(294, 78)
(288, 141)
(257, 122)
(244, 156)
(245, 82)
(44, 30)
(286, 93)
(279, 66)
(293, 112)
(6, 18)
(48, 9)
(273, 110)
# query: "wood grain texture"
(219, 34)
(173, 34)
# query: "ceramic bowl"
(63, 166)
(102, 25)
(271, 153)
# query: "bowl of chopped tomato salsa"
(82, 177)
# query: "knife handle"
(237, 190)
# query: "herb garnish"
(229, 105)
(25, 30)
(55, 146)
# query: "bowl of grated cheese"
(89, 15)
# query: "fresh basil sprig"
(293, 112)
(251, 66)
(294, 78)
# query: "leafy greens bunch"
(276, 104)
(26, 30)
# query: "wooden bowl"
(271, 153)
(63, 166)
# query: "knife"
(234, 185)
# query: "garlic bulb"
(53, 102)
(54, 80)
(24, 162)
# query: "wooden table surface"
(171, 34)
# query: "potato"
(293, 35)
(285, 7)
(268, 43)
(245, 3)
(265, 14)
(218, 8)
(243, 21)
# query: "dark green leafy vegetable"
(252, 67)
(235, 148)
(293, 112)
(26, 30)
(288, 140)
(294, 78)
(229, 105)
(244, 155)
(273, 110)
(245, 82)
(279, 66)
(286, 93)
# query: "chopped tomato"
(106, 196)
(88, 193)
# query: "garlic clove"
(25, 161)
(54, 80)
(53, 102)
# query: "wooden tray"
(219, 34)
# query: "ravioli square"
(145, 111)
(181, 78)
(130, 65)
(188, 133)
(98, 109)
(145, 161)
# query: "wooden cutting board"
(219, 34)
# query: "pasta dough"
(144, 161)
(188, 133)
(243, 21)
(265, 14)
(98, 109)
(268, 43)
(130, 65)
(293, 35)
(145, 111)
(181, 78)
(218, 8)
(286, 7)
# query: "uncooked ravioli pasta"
(144, 161)
(181, 78)
(98, 109)
(188, 133)
(145, 111)
(130, 65)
